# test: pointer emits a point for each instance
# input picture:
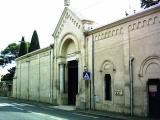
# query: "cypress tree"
(23, 48)
(34, 42)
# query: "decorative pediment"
(70, 17)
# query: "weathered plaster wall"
(145, 46)
(33, 79)
(69, 40)
(138, 37)
(105, 50)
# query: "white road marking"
(17, 108)
(46, 115)
(4, 104)
(85, 115)
(41, 114)
(22, 104)
(46, 108)
(64, 107)
(57, 118)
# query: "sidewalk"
(113, 115)
(91, 112)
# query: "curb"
(98, 113)
(114, 116)
(104, 115)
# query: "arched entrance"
(68, 53)
(150, 76)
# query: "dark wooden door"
(72, 82)
(154, 97)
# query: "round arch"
(147, 63)
(67, 38)
(147, 73)
(107, 69)
(107, 65)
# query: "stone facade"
(125, 52)
(33, 77)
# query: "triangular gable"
(65, 15)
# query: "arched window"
(107, 87)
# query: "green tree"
(1, 60)
(27, 45)
(148, 3)
(12, 48)
(23, 48)
(34, 42)
(9, 53)
(9, 76)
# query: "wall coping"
(35, 52)
(138, 15)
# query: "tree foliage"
(23, 48)
(11, 48)
(12, 51)
(34, 42)
(148, 3)
(9, 53)
(9, 76)
(1, 60)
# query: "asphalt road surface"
(11, 109)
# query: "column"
(62, 77)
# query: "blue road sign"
(86, 75)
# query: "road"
(17, 110)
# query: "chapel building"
(114, 68)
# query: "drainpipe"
(39, 85)
(16, 77)
(20, 83)
(93, 88)
(53, 76)
(28, 78)
(16, 86)
(131, 84)
(50, 76)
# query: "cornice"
(141, 14)
(59, 22)
(33, 53)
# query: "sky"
(21, 17)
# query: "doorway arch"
(68, 53)
(67, 41)
(149, 75)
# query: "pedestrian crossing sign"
(86, 75)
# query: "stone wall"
(135, 37)
(33, 78)
(105, 50)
